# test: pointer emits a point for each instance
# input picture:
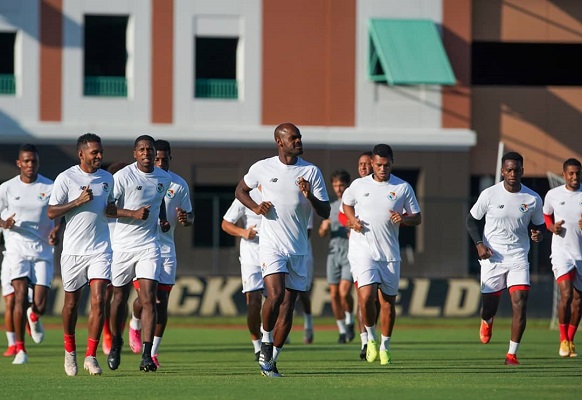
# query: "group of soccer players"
(118, 232)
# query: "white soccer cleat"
(20, 358)
(92, 366)
(36, 328)
(71, 363)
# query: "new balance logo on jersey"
(501, 206)
(17, 198)
(274, 180)
(562, 203)
(366, 194)
(138, 188)
(83, 187)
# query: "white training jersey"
(132, 190)
(507, 218)
(32, 226)
(566, 206)
(372, 201)
(177, 196)
(284, 228)
(86, 231)
(249, 249)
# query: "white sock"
(364, 338)
(257, 345)
(276, 352)
(385, 343)
(341, 326)
(308, 322)
(371, 332)
(135, 323)
(156, 345)
(349, 318)
(513, 346)
(11, 337)
(267, 337)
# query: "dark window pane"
(210, 204)
(7, 52)
(105, 50)
(215, 58)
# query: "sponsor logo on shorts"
(170, 193)
(392, 196)
(41, 196)
(160, 187)
(523, 208)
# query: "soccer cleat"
(20, 358)
(273, 373)
(266, 357)
(363, 352)
(308, 338)
(92, 366)
(385, 357)
(10, 351)
(257, 355)
(573, 350)
(147, 364)
(511, 359)
(155, 360)
(372, 351)
(486, 331)
(135, 340)
(106, 343)
(114, 357)
(71, 363)
(350, 332)
(342, 338)
(564, 348)
(36, 328)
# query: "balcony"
(216, 89)
(105, 86)
(7, 84)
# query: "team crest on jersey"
(392, 196)
(274, 180)
(160, 187)
(105, 187)
(41, 196)
(170, 193)
(523, 208)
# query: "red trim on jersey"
(342, 218)
(568, 276)
(519, 287)
(549, 220)
(136, 284)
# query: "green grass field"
(213, 359)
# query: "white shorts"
(498, 276)
(39, 270)
(7, 288)
(294, 266)
(142, 264)
(563, 266)
(168, 270)
(77, 271)
(385, 273)
(252, 278)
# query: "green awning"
(408, 52)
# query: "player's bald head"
(285, 128)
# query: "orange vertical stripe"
(162, 79)
(51, 63)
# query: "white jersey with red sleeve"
(249, 249)
(87, 231)
(372, 201)
(507, 218)
(134, 189)
(284, 228)
(565, 205)
(177, 196)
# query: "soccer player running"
(139, 191)
(375, 206)
(82, 195)
(178, 211)
(339, 276)
(250, 266)
(563, 216)
(29, 238)
(513, 215)
(290, 188)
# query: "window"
(215, 67)
(7, 81)
(210, 205)
(526, 64)
(105, 55)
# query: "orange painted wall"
(309, 62)
(162, 61)
(51, 63)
